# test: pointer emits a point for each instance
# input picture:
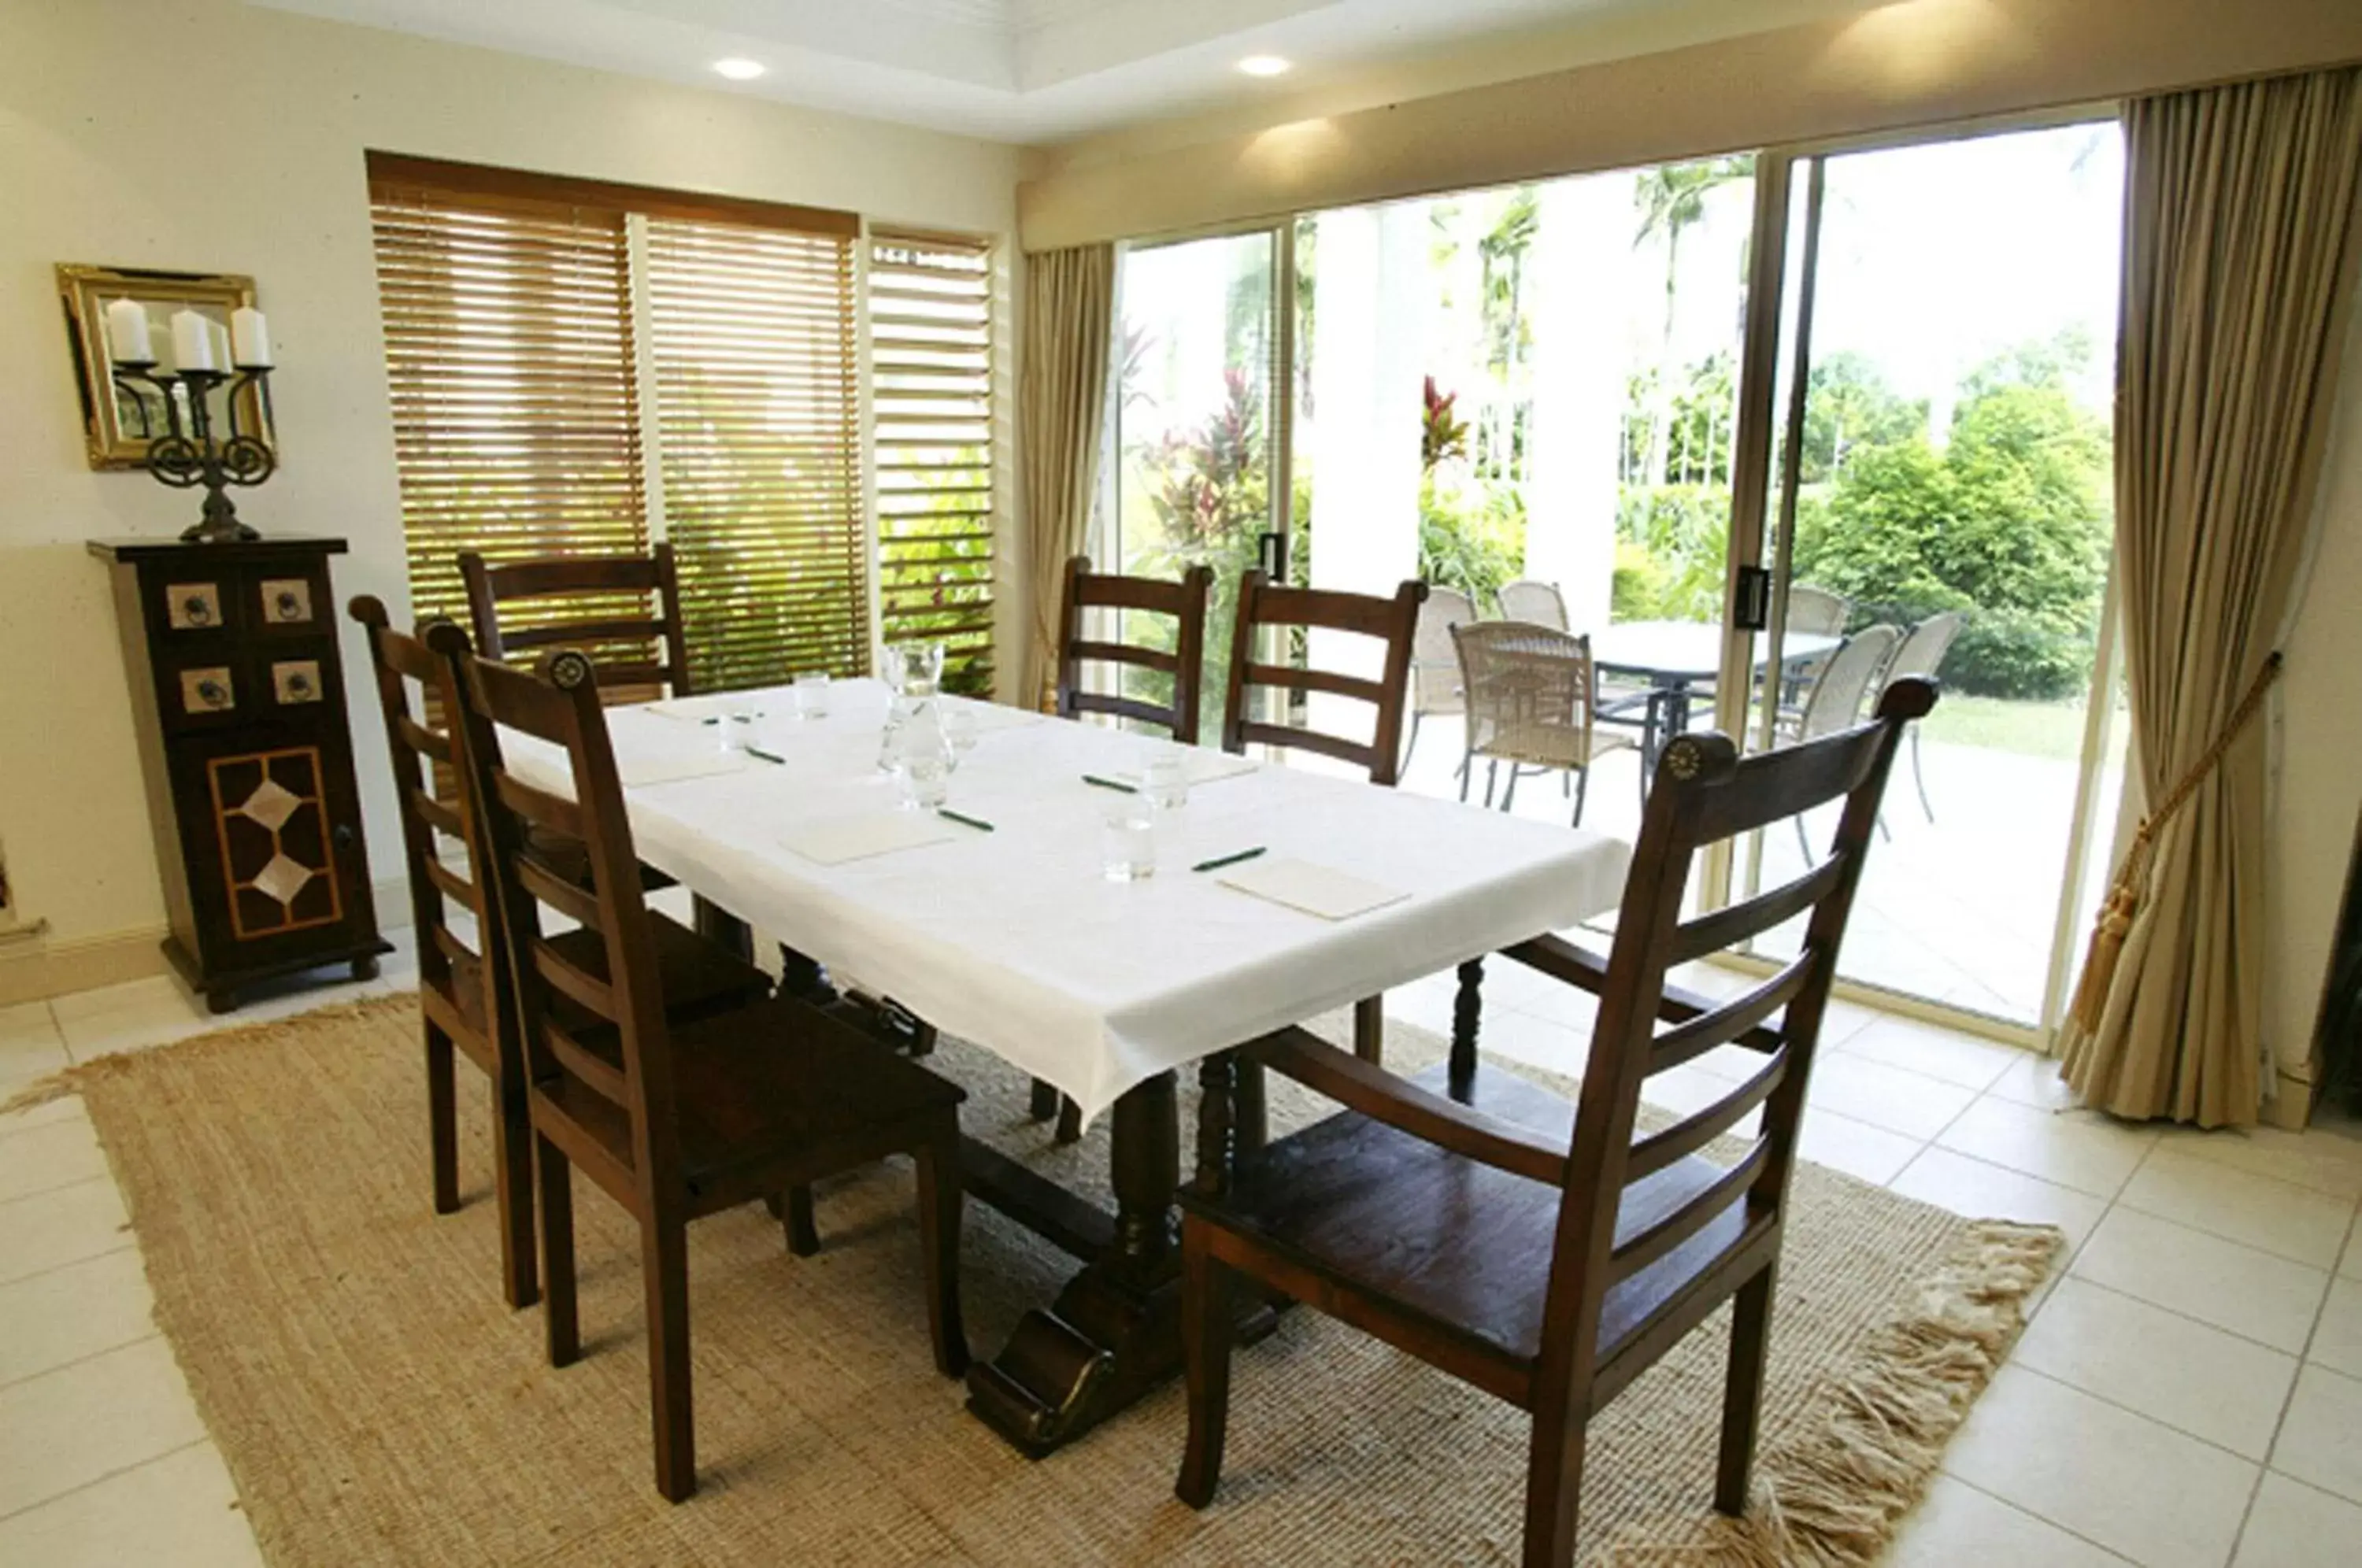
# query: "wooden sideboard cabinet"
(239, 700)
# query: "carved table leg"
(1467, 1008)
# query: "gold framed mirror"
(120, 417)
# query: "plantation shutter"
(930, 303)
(509, 358)
(751, 335)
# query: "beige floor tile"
(56, 1153)
(2193, 1378)
(2072, 1148)
(2294, 1221)
(1938, 1052)
(2256, 1294)
(2349, 1265)
(50, 1319)
(1564, 1006)
(129, 1017)
(1522, 1037)
(180, 1509)
(2120, 1480)
(1985, 1191)
(2292, 1525)
(1910, 1103)
(30, 1046)
(1684, 1090)
(2033, 1080)
(1842, 1143)
(66, 1108)
(2321, 1439)
(1425, 1004)
(1957, 1525)
(2338, 1337)
(68, 1427)
(51, 1228)
(2313, 1159)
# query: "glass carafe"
(914, 671)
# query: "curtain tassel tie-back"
(2124, 897)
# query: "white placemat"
(1202, 767)
(698, 710)
(832, 841)
(1315, 890)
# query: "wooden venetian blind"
(509, 355)
(930, 303)
(752, 345)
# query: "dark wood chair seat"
(1466, 1247)
(755, 1087)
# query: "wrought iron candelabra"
(194, 455)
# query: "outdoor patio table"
(1013, 939)
(1673, 657)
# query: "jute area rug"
(378, 1404)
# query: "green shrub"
(1671, 546)
(1474, 549)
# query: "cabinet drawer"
(289, 600)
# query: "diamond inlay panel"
(271, 828)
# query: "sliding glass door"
(1196, 483)
(1940, 502)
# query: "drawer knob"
(214, 692)
(196, 609)
(290, 607)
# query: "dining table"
(1673, 658)
(996, 923)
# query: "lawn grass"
(2032, 729)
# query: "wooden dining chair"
(462, 1000)
(1184, 600)
(1263, 606)
(1596, 1253)
(622, 610)
(673, 1121)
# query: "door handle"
(1271, 555)
(1751, 606)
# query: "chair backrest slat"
(540, 806)
(1535, 602)
(1629, 1202)
(1184, 600)
(578, 602)
(587, 1064)
(421, 757)
(1394, 622)
(1846, 681)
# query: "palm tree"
(1671, 198)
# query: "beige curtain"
(1069, 320)
(2238, 248)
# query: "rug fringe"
(1835, 1500)
(235, 1036)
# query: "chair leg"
(1070, 1122)
(1410, 746)
(1493, 776)
(796, 1219)
(1043, 1104)
(1250, 1111)
(939, 1242)
(1918, 777)
(1582, 779)
(1803, 844)
(1554, 1493)
(1742, 1396)
(442, 1121)
(663, 1269)
(1370, 1028)
(1206, 1328)
(1467, 774)
(555, 1180)
(512, 1187)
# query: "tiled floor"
(2190, 1391)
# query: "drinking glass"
(812, 695)
(926, 780)
(1164, 780)
(1128, 842)
(914, 670)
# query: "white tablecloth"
(1014, 939)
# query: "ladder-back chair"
(622, 610)
(674, 1122)
(1184, 600)
(1393, 623)
(1597, 1252)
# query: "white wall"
(208, 134)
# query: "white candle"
(193, 342)
(249, 337)
(220, 335)
(126, 333)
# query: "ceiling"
(1026, 70)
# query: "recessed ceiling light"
(739, 70)
(1266, 65)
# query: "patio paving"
(1959, 911)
